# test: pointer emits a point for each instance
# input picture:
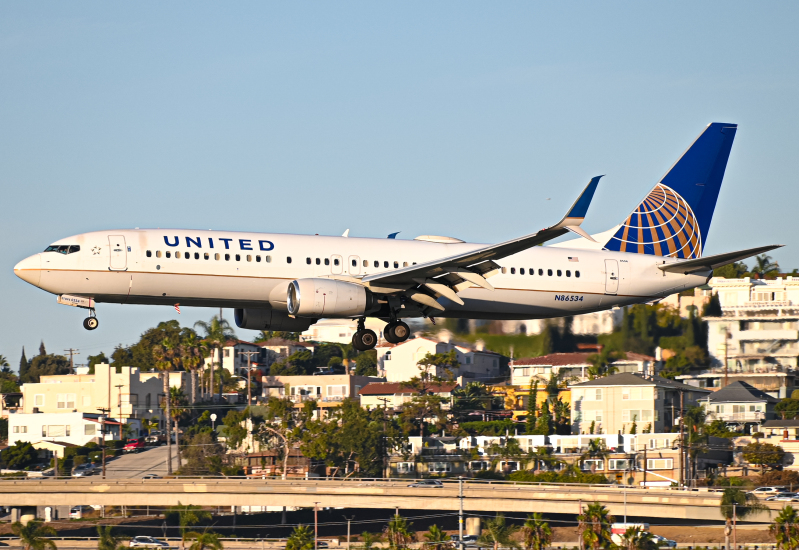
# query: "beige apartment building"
(614, 403)
(393, 395)
(400, 362)
(125, 392)
(328, 390)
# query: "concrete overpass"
(488, 497)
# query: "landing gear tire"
(396, 332)
(364, 340)
(91, 323)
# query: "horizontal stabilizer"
(718, 260)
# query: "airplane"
(288, 282)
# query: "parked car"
(663, 541)
(427, 483)
(469, 541)
(135, 445)
(76, 512)
(151, 476)
(147, 542)
(84, 470)
(784, 497)
(156, 437)
(771, 490)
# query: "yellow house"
(517, 398)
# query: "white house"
(76, 428)
(399, 362)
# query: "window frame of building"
(585, 465)
(665, 463)
(613, 464)
(405, 467)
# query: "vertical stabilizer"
(674, 218)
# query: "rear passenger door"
(119, 254)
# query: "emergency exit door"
(611, 276)
(119, 253)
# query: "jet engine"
(269, 319)
(329, 298)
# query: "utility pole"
(682, 440)
(315, 526)
(104, 412)
(249, 355)
(385, 441)
(72, 352)
(645, 466)
(348, 529)
(734, 527)
(119, 405)
(460, 512)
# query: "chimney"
(480, 345)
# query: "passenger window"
(577, 274)
(207, 256)
(513, 271)
(504, 270)
(238, 257)
(257, 258)
(377, 264)
(365, 263)
(385, 264)
(177, 255)
(288, 259)
(354, 263)
(549, 272)
(216, 256)
(149, 254)
(335, 261)
(249, 257)
(268, 259)
(404, 264)
(318, 261)
(560, 273)
(532, 271)
(327, 261)
(196, 255)
(540, 271)
(308, 261)
(187, 255)
(521, 271)
(568, 273)
(168, 254)
(396, 265)
(227, 257)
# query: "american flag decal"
(177, 308)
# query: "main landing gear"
(396, 332)
(91, 322)
(364, 339)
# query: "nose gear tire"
(90, 323)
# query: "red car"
(134, 445)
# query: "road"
(134, 466)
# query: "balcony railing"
(738, 417)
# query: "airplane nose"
(30, 269)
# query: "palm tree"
(369, 540)
(301, 539)
(106, 540)
(498, 533)
(786, 529)
(165, 355)
(217, 334)
(398, 532)
(536, 533)
(4, 364)
(736, 503)
(635, 538)
(594, 524)
(204, 541)
(596, 450)
(435, 538)
(33, 536)
(178, 407)
(188, 515)
(193, 351)
(764, 265)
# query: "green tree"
(786, 529)
(764, 455)
(734, 270)
(368, 540)
(43, 365)
(302, 538)
(106, 540)
(498, 533)
(532, 407)
(177, 409)
(543, 425)
(33, 536)
(635, 538)
(193, 352)
(366, 363)
(765, 267)
(94, 360)
(234, 428)
(19, 456)
(187, 515)
(205, 540)
(475, 396)
(536, 533)
(788, 408)
(203, 454)
(736, 503)
(284, 425)
(166, 356)
(602, 363)
(217, 333)
(436, 538)
(399, 533)
(594, 526)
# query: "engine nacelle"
(328, 298)
(269, 319)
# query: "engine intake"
(328, 298)
(269, 319)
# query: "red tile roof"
(393, 388)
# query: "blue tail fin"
(674, 218)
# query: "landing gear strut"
(91, 322)
(396, 332)
(364, 339)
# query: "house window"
(592, 464)
(439, 467)
(598, 395)
(405, 467)
(67, 430)
(65, 401)
(38, 400)
(227, 353)
(89, 429)
(479, 465)
(660, 464)
(618, 464)
(337, 391)
(510, 465)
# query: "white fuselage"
(252, 270)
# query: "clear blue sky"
(453, 118)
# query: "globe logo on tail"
(663, 225)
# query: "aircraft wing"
(473, 267)
(718, 260)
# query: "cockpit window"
(63, 248)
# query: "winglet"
(346, 233)
(393, 235)
(579, 209)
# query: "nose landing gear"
(91, 322)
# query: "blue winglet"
(393, 235)
(580, 207)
